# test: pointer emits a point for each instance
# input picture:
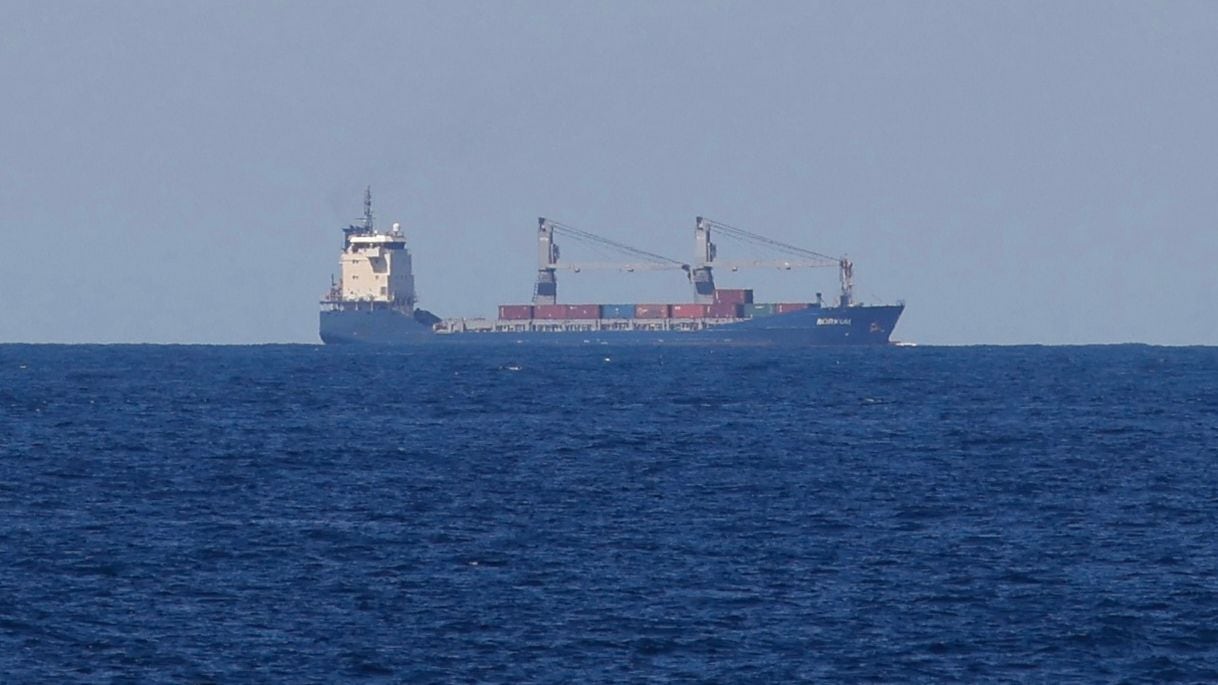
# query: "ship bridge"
(375, 267)
(379, 241)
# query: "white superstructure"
(374, 267)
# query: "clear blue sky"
(1016, 172)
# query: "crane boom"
(786, 264)
(586, 236)
(770, 243)
(706, 261)
(549, 258)
(576, 267)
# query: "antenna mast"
(368, 209)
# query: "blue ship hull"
(860, 325)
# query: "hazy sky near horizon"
(1031, 172)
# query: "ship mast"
(360, 229)
(368, 209)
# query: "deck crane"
(793, 258)
(548, 263)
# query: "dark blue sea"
(302, 514)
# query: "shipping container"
(617, 311)
(688, 311)
(756, 310)
(651, 311)
(734, 296)
(723, 310)
(550, 311)
(583, 311)
(515, 312)
(785, 307)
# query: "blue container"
(617, 311)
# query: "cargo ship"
(373, 301)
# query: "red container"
(723, 310)
(739, 296)
(550, 311)
(689, 311)
(515, 312)
(651, 311)
(583, 311)
(784, 307)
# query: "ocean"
(515, 514)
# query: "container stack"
(729, 304)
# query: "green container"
(755, 310)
